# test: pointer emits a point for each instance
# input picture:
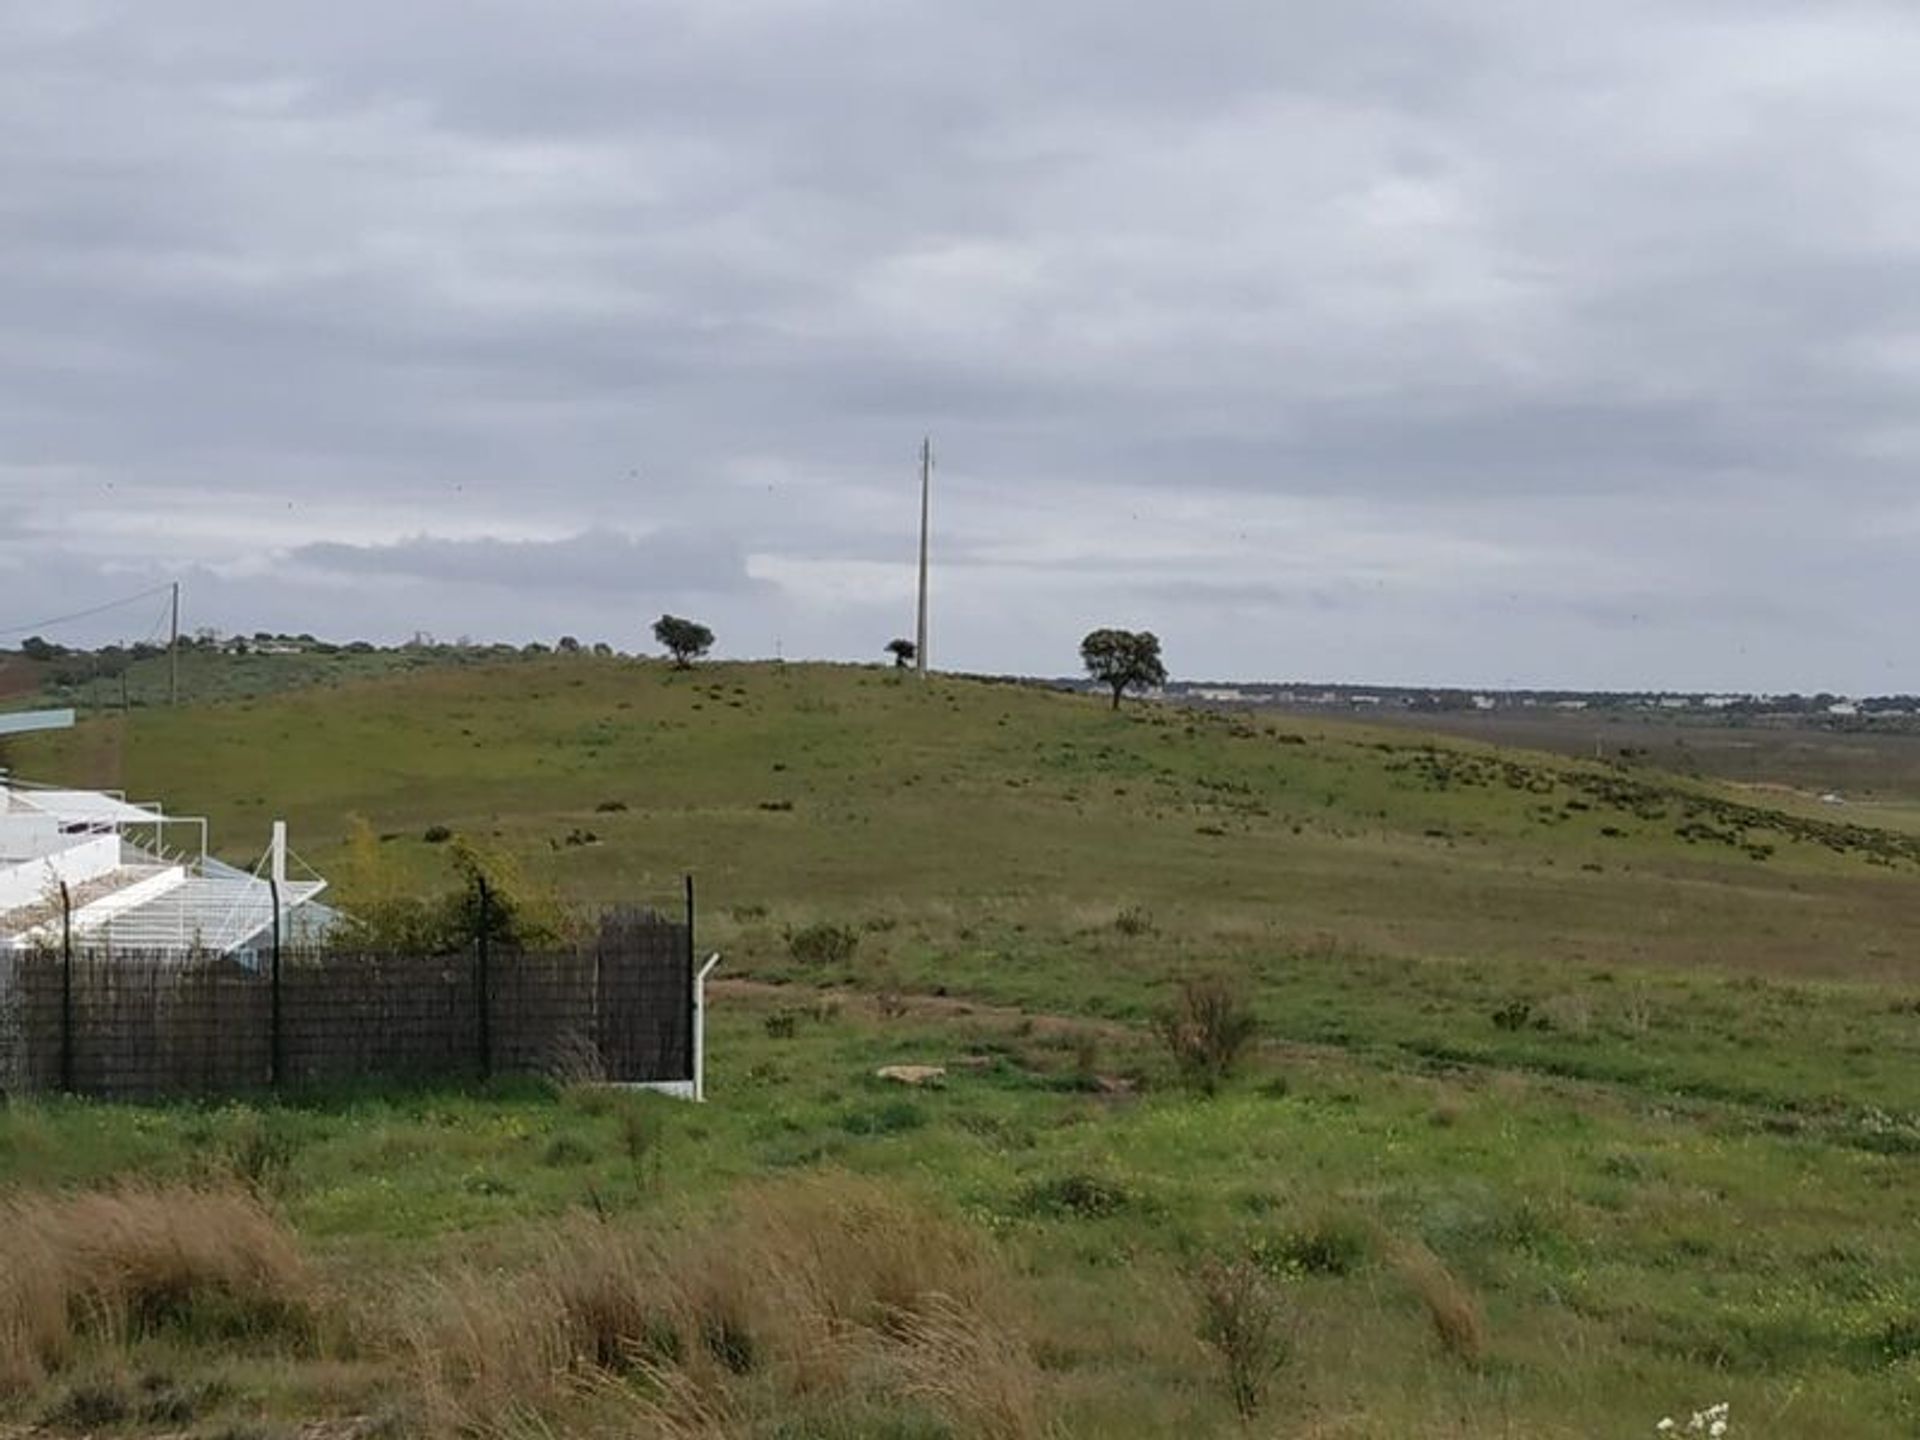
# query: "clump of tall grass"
(1208, 1030)
(1451, 1306)
(829, 1290)
(120, 1263)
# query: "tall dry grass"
(825, 1292)
(116, 1264)
(1458, 1321)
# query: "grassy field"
(1863, 759)
(1585, 1096)
(208, 676)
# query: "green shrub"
(781, 1024)
(1078, 1196)
(565, 1150)
(1333, 1244)
(823, 943)
(1244, 1322)
(891, 1118)
(88, 1406)
(1208, 1030)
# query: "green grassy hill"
(1634, 1061)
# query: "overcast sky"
(1475, 341)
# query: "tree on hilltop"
(685, 640)
(904, 653)
(1123, 660)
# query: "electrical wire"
(59, 620)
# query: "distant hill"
(812, 788)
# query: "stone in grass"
(913, 1074)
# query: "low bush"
(1208, 1030)
(1331, 1244)
(1242, 1319)
(890, 1118)
(823, 943)
(781, 1024)
(1078, 1196)
(566, 1150)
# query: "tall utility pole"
(173, 651)
(926, 501)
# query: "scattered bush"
(260, 1154)
(1134, 920)
(782, 1024)
(1333, 1244)
(1078, 1196)
(567, 1150)
(1514, 1015)
(1244, 1322)
(891, 1118)
(1208, 1030)
(640, 1139)
(1086, 1056)
(823, 943)
(610, 807)
(88, 1406)
(437, 834)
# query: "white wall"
(28, 882)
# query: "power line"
(58, 620)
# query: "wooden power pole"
(173, 651)
(926, 498)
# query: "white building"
(137, 878)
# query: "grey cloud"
(595, 560)
(393, 294)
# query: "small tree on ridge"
(903, 652)
(685, 640)
(1123, 660)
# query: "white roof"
(85, 807)
(126, 898)
(206, 913)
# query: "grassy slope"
(209, 677)
(1685, 1176)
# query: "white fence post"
(700, 1028)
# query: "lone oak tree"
(685, 640)
(903, 652)
(1124, 660)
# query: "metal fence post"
(275, 1055)
(693, 1003)
(482, 979)
(66, 989)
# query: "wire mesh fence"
(618, 1006)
